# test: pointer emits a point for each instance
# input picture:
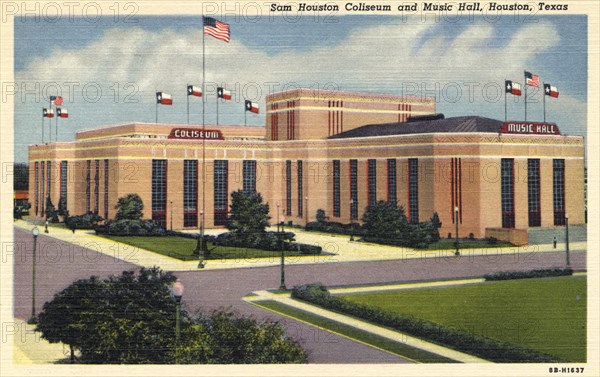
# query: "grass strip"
(376, 341)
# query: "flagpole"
(525, 101)
(43, 125)
(188, 105)
(505, 113)
(245, 117)
(544, 95)
(56, 127)
(218, 109)
(50, 123)
(203, 213)
(156, 109)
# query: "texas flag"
(62, 113)
(223, 93)
(47, 113)
(163, 98)
(512, 87)
(56, 100)
(252, 107)
(532, 80)
(194, 91)
(550, 90)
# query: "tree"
(320, 216)
(120, 319)
(385, 220)
(51, 212)
(248, 214)
(62, 207)
(436, 224)
(129, 207)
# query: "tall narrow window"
(159, 192)
(300, 194)
(413, 190)
(64, 175)
(43, 190)
(88, 172)
(558, 185)
(391, 181)
(336, 188)
(288, 188)
(97, 186)
(37, 187)
(249, 173)
(106, 189)
(220, 192)
(533, 192)
(49, 177)
(354, 189)
(372, 181)
(190, 193)
(508, 192)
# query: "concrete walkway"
(30, 348)
(395, 336)
(337, 248)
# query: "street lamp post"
(34, 232)
(171, 204)
(306, 210)
(351, 220)
(457, 253)
(177, 290)
(282, 264)
(278, 224)
(567, 239)
(46, 226)
(200, 245)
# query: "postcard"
(299, 188)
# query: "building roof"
(456, 124)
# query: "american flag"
(532, 80)
(216, 28)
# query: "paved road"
(61, 263)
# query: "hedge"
(508, 275)
(271, 241)
(485, 348)
(127, 227)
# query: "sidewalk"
(336, 248)
(395, 336)
(30, 348)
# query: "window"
(64, 175)
(190, 193)
(220, 192)
(558, 185)
(392, 181)
(533, 192)
(336, 188)
(288, 187)
(159, 192)
(37, 187)
(354, 189)
(413, 190)
(106, 189)
(48, 176)
(249, 176)
(42, 184)
(300, 195)
(372, 181)
(88, 168)
(507, 182)
(97, 187)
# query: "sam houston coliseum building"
(331, 150)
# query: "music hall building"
(330, 150)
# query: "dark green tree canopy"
(385, 220)
(248, 213)
(130, 207)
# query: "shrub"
(271, 241)
(492, 240)
(131, 228)
(88, 221)
(129, 207)
(51, 212)
(320, 216)
(508, 275)
(480, 346)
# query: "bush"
(320, 216)
(508, 275)
(88, 221)
(271, 241)
(129, 207)
(51, 212)
(131, 228)
(479, 346)
(492, 240)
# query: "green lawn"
(362, 336)
(547, 315)
(182, 248)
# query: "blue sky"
(462, 63)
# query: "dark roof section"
(457, 124)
